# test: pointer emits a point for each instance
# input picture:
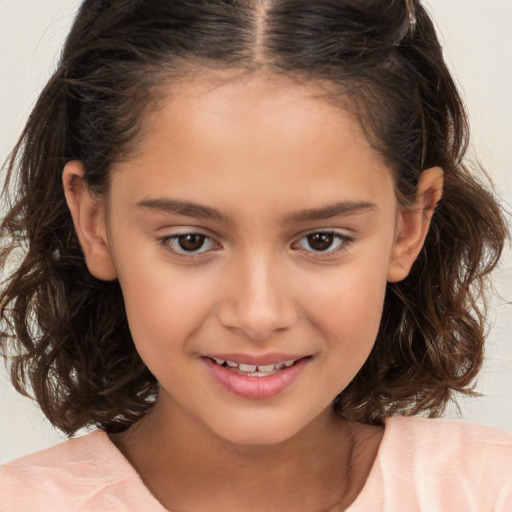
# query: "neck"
(187, 466)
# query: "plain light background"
(477, 37)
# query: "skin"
(259, 149)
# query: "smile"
(256, 381)
(252, 370)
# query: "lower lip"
(256, 388)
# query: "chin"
(258, 438)
(264, 430)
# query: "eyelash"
(342, 240)
(167, 243)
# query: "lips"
(256, 378)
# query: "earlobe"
(413, 224)
(88, 213)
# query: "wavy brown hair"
(66, 333)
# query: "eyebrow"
(333, 210)
(189, 209)
(186, 208)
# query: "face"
(253, 237)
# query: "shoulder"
(78, 475)
(62, 453)
(448, 442)
(446, 429)
(432, 465)
(477, 453)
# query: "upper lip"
(258, 360)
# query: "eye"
(324, 242)
(188, 243)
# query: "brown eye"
(188, 244)
(320, 241)
(191, 243)
(324, 243)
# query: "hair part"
(67, 332)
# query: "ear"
(413, 224)
(88, 213)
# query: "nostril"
(253, 325)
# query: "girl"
(242, 244)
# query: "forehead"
(254, 105)
(258, 133)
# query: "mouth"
(256, 378)
(253, 370)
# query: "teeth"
(247, 367)
(252, 368)
(268, 368)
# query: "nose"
(256, 299)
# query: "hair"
(66, 332)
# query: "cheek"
(350, 298)
(348, 317)
(347, 311)
(164, 307)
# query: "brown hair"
(67, 332)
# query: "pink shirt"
(422, 465)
